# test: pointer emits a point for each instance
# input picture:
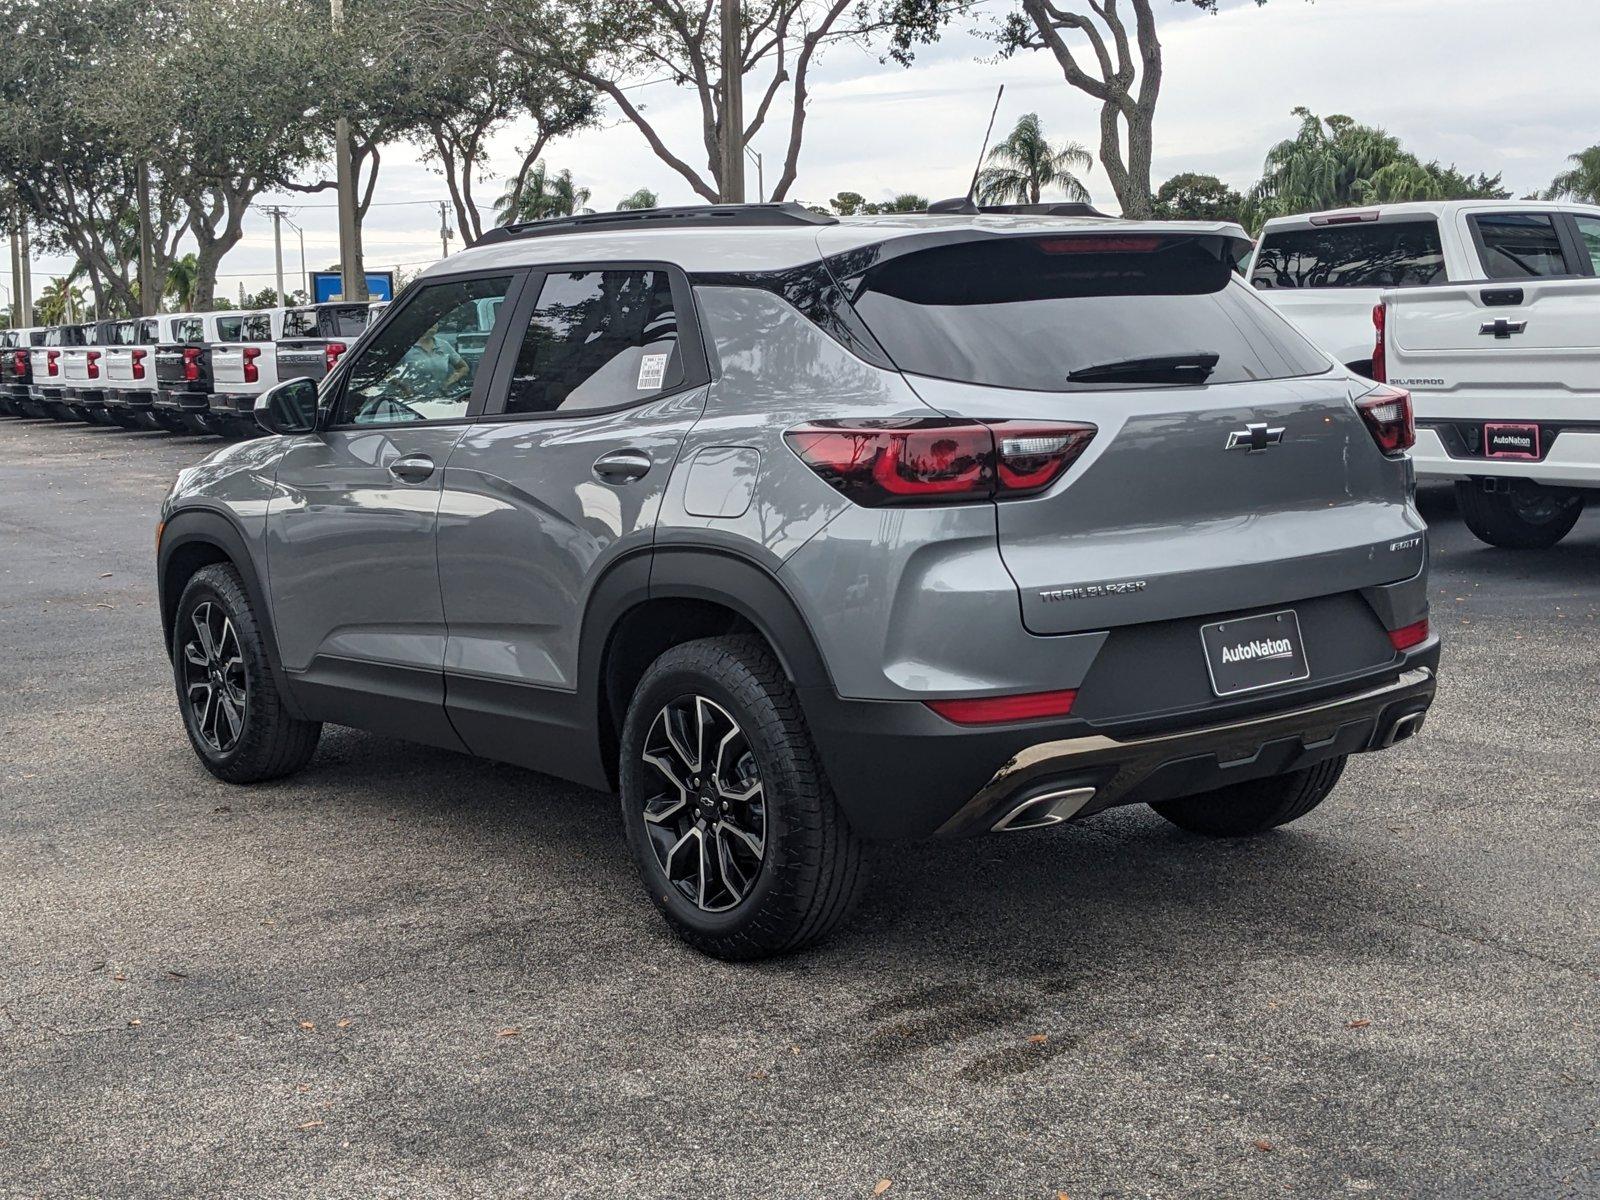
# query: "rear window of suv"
(1030, 313)
(1394, 254)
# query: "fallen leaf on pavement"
(135, 1021)
(344, 1022)
(1358, 1023)
(508, 1033)
(312, 1025)
(883, 1186)
(1263, 1145)
(120, 977)
(1039, 1039)
(312, 1125)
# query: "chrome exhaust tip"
(1402, 728)
(1045, 808)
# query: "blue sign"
(329, 285)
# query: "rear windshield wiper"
(1158, 368)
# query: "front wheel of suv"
(235, 717)
(1528, 517)
(1256, 805)
(733, 826)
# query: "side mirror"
(289, 407)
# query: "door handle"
(414, 468)
(622, 466)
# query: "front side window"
(423, 366)
(598, 339)
(1589, 235)
(1393, 254)
(1520, 245)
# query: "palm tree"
(543, 195)
(181, 277)
(1582, 183)
(1025, 164)
(61, 302)
(643, 198)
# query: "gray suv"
(799, 533)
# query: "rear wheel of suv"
(1256, 805)
(229, 699)
(734, 828)
(1528, 517)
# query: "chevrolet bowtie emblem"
(1254, 436)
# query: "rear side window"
(122, 334)
(1394, 254)
(349, 321)
(149, 333)
(1520, 245)
(1046, 314)
(228, 328)
(597, 339)
(190, 329)
(257, 328)
(1589, 236)
(300, 322)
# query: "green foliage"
(61, 301)
(1582, 181)
(181, 277)
(1026, 164)
(1194, 197)
(852, 204)
(1334, 162)
(540, 195)
(641, 199)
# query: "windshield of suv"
(1073, 312)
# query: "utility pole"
(277, 214)
(761, 174)
(444, 228)
(149, 289)
(16, 270)
(27, 273)
(732, 190)
(352, 272)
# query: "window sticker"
(652, 370)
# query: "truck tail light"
(137, 358)
(1387, 412)
(936, 460)
(19, 361)
(996, 710)
(252, 373)
(1411, 635)
(52, 364)
(332, 353)
(191, 364)
(1380, 363)
(92, 361)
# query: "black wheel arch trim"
(208, 526)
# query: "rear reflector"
(911, 460)
(997, 710)
(1387, 412)
(1408, 636)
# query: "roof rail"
(1058, 208)
(697, 216)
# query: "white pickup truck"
(130, 371)
(1488, 312)
(244, 363)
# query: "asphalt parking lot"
(406, 973)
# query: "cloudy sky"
(1490, 85)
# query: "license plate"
(1251, 653)
(1508, 440)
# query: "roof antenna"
(967, 203)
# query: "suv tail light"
(332, 353)
(252, 373)
(993, 710)
(92, 360)
(191, 364)
(1408, 636)
(938, 461)
(1380, 363)
(137, 356)
(51, 360)
(1387, 412)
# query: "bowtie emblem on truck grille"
(1501, 328)
(1254, 436)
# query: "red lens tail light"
(137, 357)
(1380, 357)
(19, 361)
(1411, 635)
(937, 460)
(996, 710)
(92, 359)
(334, 350)
(1387, 412)
(252, 373)
(51, 363)
(191, 364)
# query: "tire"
(243, 734)
(1253, 807)
(1530, 517)
(736, 899)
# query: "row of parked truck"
(184, 372)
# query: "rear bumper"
(232, 404)
(901, 771)
(181, 401)
(1572, 459)
(132, 398)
